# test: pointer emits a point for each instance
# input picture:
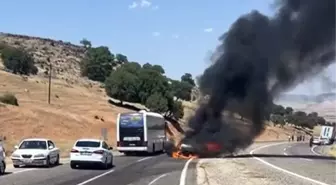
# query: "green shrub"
(10, 99)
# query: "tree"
(122, 85)
(18, 61)
(278, 109)
(187, 77)
(278, 120)
(320, 120)
(121, 59)
(86, 43)
(181, 90)
(97, 64)
(132, 67)
(313, 114)
(151, 81)
(177, 110)
(157, 68)
(289, 110)
(157, 103)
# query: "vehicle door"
(107, 151)
(52, 151)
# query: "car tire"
(128, 153)
(2, 168)
(73, 165)
(111, 163)
(57, 162)
(48, 162)
(105, 165)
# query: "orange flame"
(179, 155)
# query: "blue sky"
(177, 34)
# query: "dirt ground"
(75, 112)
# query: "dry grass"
(75, 112)
(332, 151)
(71, 114)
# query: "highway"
(286, 163)
(298, 160)
(130, 170)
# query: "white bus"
(140, 132)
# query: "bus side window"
(150, 122)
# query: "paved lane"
(63, 174)
(161, 170)
(128, 170)
(301, 161)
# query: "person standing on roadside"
(311, 141)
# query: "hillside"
(79, 107)
(324, 104)
(65, 57)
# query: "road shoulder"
(229, 171)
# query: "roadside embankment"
(327, 150)
(230, 172)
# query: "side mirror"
(50, 147)
(16, 146)
(110, 148)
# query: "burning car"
(187, 151)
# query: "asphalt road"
(128, 170)
(299, 161)
(287, 163)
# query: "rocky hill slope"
(64, 56)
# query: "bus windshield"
(131, 120)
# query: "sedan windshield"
(33, 145)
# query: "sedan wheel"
(2, 168)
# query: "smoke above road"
(259, 58)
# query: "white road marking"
(106, 173)
(281, 169)
(143, 159)
(306, 159)
(184, 172)
(25, 170)
(312, 150)
(96, 177)
(157, 178)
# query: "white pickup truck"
(36, 152)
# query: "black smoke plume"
(259, 58)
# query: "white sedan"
(36, 152)
(91, 151)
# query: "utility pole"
(50, 69)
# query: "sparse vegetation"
(17, 60)
(124, 80)
(281, 116)
(9, 98)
